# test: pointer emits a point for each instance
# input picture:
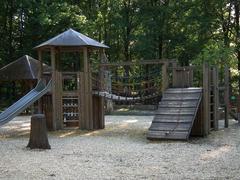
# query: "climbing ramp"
(176, 114)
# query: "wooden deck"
(176, 114)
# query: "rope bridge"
(119, 87)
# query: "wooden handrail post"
(165, 80)
(216, 98)
(226, 94)
(206, 106)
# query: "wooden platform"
(176, 114)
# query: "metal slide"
(24, 102)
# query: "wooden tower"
(76, 106)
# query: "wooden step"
(176, 104)
(172, 118)
(180, 99)
(179, 111)
(164, 126)
(175, 113)
(184, 90)
(181, 96)
(176, 135)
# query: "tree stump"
(38, 134)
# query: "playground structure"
(18, 78)
(186, 110)
(77, 94)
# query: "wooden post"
(101, 99)
(165, 81)
(226, 95)
(174, 74)
(216, 98)
(54, 95)
(81, 104)
(87, 90)
(206, 103)
(40, 74)
(90, 96)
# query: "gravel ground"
(121, 151)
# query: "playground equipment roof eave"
(71, 38)
(24, 68)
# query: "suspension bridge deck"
(176, 114)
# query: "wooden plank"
(198, 125)
(182, 76)
(206, 91)
(173, 117)
(167, 126)
(226, 95)
(101, 99)
(86, 88)
(184, 89)
(176, 111)
(165, 81)
(176, 104)
(145, 62)
(60, 102)
(40, 76)
(53, 65)
(82, 123)
(182, 96)
(177, 135)
(216, 98)
(90, 98)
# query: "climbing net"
(129, 83)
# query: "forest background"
(192, 31)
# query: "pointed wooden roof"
(72, 38)
(24, 68)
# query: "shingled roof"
(72, 38)
(24, 68)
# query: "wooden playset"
(77, 93)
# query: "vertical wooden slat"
(216, 98)
(190, 74)
(206, 107)
(40, 75)
(86, 88)
(60, 102)
(82, 112)
(53, 61)
(226, 95)
(101, 99)
(174, 74)
(165, 81)
(90, 97)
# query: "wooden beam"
(53, 65)
(216, 98)
(40, 75)
(206, 95)
(101, 99)
(165, 81)
(145, 62)
(226, 95)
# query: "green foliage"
(134, 29)
(216, 53)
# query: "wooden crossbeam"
(142, 62)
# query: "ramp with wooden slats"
(176, 114)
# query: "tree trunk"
(38, 134)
